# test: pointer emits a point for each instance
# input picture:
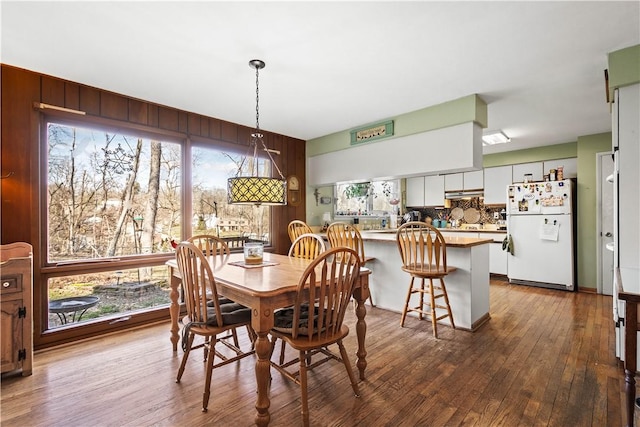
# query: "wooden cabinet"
(434, 190)
(496, 181)
(415, 192)
(521, 169)
(16, 338)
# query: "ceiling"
(332, 66)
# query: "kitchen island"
(467, 287)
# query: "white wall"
(450, 149)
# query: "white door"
(605, 224)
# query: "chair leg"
(406, 304)
(347, 364)
(434, 321)
(234, 333)
(446, 299)
(303, 388)
(420, 314)
(185, 356)
(207, 384)
(282, 348)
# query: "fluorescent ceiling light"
(494, 137)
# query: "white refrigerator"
(541, 229)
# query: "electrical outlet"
(496, 215)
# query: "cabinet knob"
(6, 284)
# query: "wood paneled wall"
(20, 144)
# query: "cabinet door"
(520, 170)
(11, 337)
(497, 259)
(473, 180)
(496, 181)
(453, 182)
(415, 191)
(434, 190)
(569, 167)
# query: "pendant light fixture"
(253, 189)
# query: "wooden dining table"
(265, 289)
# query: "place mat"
(245, 265)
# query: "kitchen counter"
(451, 241)
(468, 286)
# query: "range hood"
(463, 194)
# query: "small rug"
(245, 265)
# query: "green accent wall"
(462, 110)
(538, 154)
(587, 238)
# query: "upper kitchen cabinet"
(473, 180)
(434, 190)
(534, 169)
(569, 167)
(495, 184)
(453, 182)
(415, 191)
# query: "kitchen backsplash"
(486, 212)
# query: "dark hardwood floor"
(546, 358)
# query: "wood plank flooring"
(546, 358)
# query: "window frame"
(46, 269)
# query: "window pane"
(211, 213)
(110, 194)
(362, 198)
(87, 297)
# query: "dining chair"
(307, 246)
(206, 316)
(424, 256)
(215, 247)
(297, 228)
(315, 321)
(343, 234)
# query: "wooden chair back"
(210, 245)
(422, 249)
(307, 246)
(297, 228)
(328, 281)
(198, 283)
(343, 234)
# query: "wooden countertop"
(454, 242)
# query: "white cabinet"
(415, 191)
(569, 167)
(434, 190)
(473, 180)
(495, 184)
(453, 182)
(497, 257)
(520, 170)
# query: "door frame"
(599, 236)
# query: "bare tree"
(127, 200)
(151, 208)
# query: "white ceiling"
(333, 66)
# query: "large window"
(236, 224)
(115, 202)
(110, 194)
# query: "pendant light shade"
(255, 189)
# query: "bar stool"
(424, 256)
